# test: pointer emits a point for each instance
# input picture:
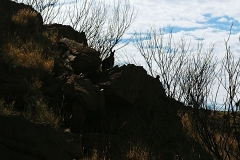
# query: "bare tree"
(104, 24)
(182, 69)
(49, 9)
(197, 76)
(220, 133)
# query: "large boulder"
(122, 84)
(14, 16)
(152, 94)
(132, 95)
(137, 107)
(22, 139)
(81, 58)
(131, 84)
(66, 31)
(85, 100)
(12, 87)
(85, 93)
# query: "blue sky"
(207, 20)
(204, 20)
(213, 16)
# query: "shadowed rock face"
(66, 31)
(81, 58)
(22, 138)
(7, 10)
(12, 87)
(108, 62)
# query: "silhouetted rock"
(77, 118)
(108, 62)
(12, 87)
(66, 31)
(123, 83)
(81, 58)
(85, 98)
(20, 137)
(9, 9)
(137, 106)
(110, 142)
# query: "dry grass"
(38, 110)
(28, 51)
(6, 109)
(94, 156)
(39, 113)
(136, 152)
(30, 59)
(25, 17)
(187, 123)
(218, 138)
(28, 56)
(139, 152)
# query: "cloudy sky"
(205, 20)
(195, 19)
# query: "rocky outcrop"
(122, 83)
(79, 57)
(66, 31)
(9, 9)
(85, 100)
(124, 102)
(134, 98)
(22, 139)
(12, 87)
(130, 82)
(108, 62)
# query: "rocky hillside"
(113, 113)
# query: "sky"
(205, 20)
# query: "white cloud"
(183, 13)
(222, 20)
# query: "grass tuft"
(26, 20)
(6, 109)
(139, 152)
(38, 110)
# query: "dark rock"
(81, 58)
(122, 83)
(85, 93)
(8, 154)
(109, 146)
(62, 69)
(137, 106)
(38, 141)
(152, 94)
(8, 9)
(12, 87)
(87, 101)
(66, 31)
(108, 62)
(78, 117)
(13, 91)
